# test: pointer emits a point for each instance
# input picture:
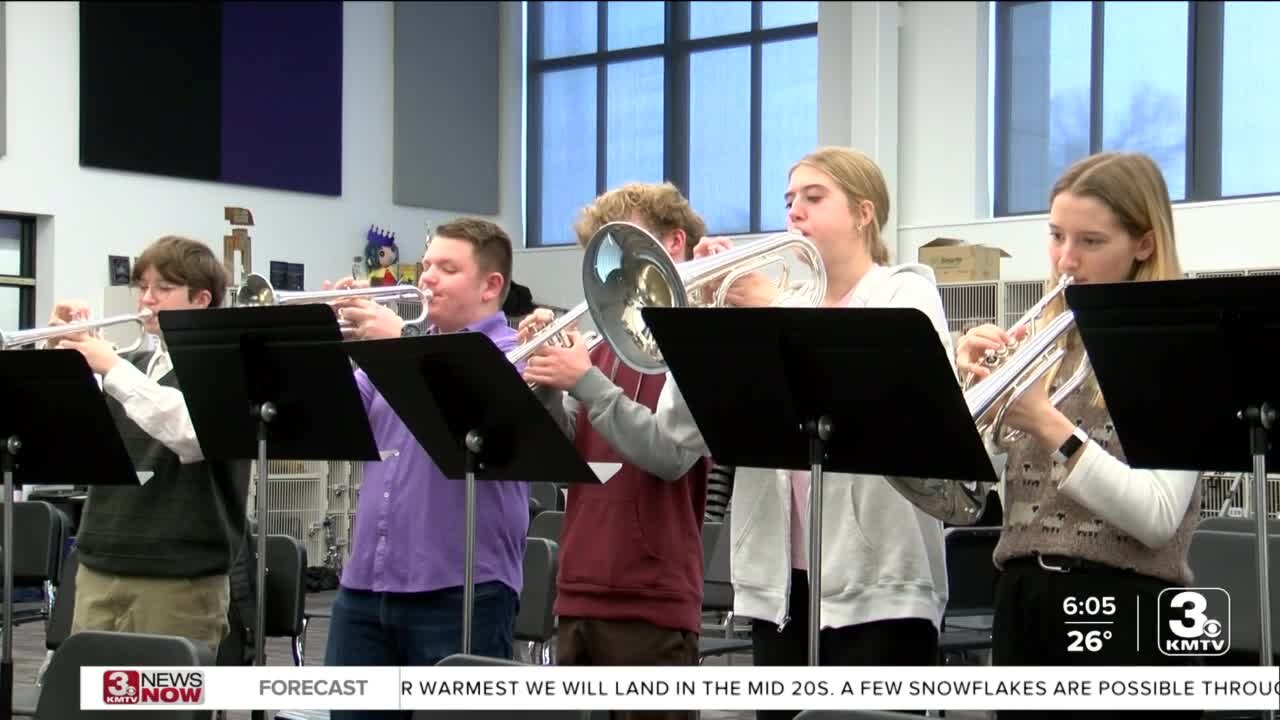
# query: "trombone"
(257, 291)
(1014, 369)
(20, 338)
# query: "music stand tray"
(1188, 371)
(476, 418)
(822, 389)
(268, 382)
(42, 389)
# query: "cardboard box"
(955, 260)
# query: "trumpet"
(20, 338)
(257, 291)
(554, 334)
(1015, 368)
(626, 269)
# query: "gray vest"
(187, 521)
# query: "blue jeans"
(403, 629)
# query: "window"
(17, 272)
(720, 98)
(1186, 83)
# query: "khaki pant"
(193, 608)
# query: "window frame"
(25, 280)
(1204, 68)
(675, 51)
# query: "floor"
(29, 654)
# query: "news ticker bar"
(684, 688)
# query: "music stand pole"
(11, 447)
(474, 446)
(819, 433)
(264, 412)
(1261, 419)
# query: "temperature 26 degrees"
(1088, 621)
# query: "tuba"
(626, 269)
(1014, 369)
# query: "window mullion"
(602, 96)
(1204, 101)
(1096, 77)
(756, 100)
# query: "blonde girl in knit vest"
(1078, 521)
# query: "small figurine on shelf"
(380, 256)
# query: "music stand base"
(819, 432)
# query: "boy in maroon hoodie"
(629, 590)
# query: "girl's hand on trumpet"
(751, 290)
(559, 368)
(973, 345)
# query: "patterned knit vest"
(1040, 520)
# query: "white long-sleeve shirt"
(160, 411)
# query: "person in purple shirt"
(400, 598)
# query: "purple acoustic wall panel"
(282, 95)
(238, 92)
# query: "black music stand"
(42, 388)
(1188, 370)
(272, 373)
(866, 390)
(475, 416)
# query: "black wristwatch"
(410, 330)
(1077, 440)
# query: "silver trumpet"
(257, 291)
(1014, 369)
(20, 338)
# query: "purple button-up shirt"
(411, 522)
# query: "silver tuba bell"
(626, 269)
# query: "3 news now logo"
(134, 687)
(1194, 621)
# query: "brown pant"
(194, 608)
(583, 641)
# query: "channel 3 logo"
(1194, 621)
(121, 687)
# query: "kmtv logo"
(132, 687)
(1194, 621)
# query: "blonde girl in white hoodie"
(884, 582)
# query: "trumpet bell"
(256, 291)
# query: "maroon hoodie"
(631, 549)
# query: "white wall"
(907, 82)
(91, 213)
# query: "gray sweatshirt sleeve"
(636, 433)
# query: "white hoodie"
(882, 558)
